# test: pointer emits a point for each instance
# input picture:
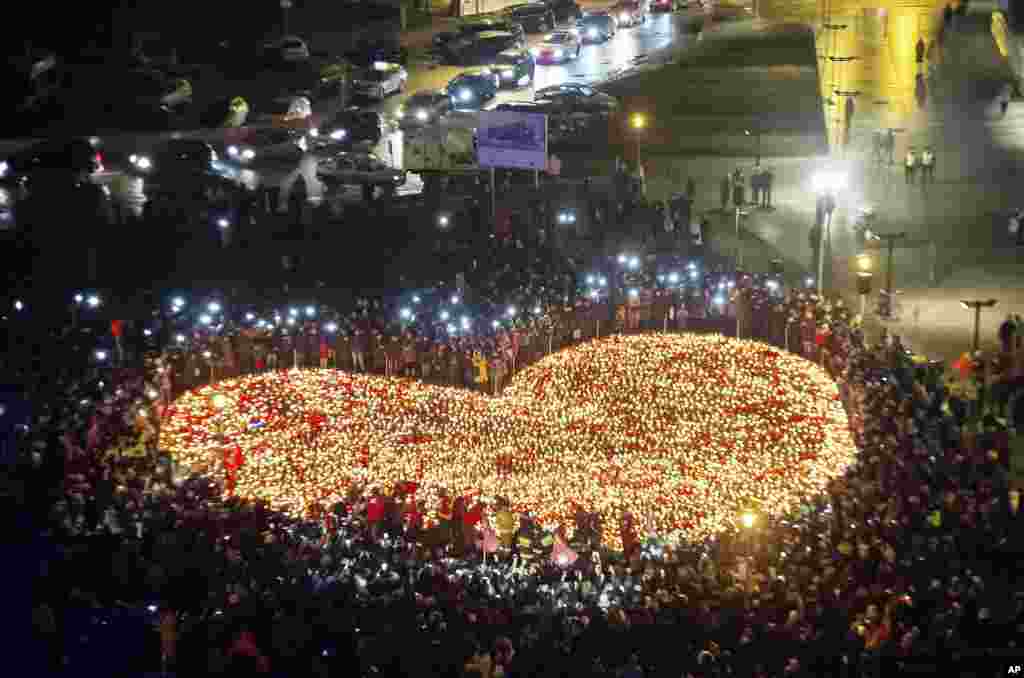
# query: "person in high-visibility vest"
(480, 363)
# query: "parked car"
(629, 12)
(541, 106)
(564, 10)
(357, 169)
(350, 126)
(596, 27)
(267, 144)
(424, 108)
(380, 80)
(558, 47)
(74, 157)
(473, 88)
(175, 159)
(535, 17)
(448, 41)
(515, 67)
(577, 98)
(484, 47)
(155, 90)
(288, 48)
(285, 111)
(370, 52)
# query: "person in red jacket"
(375, 513)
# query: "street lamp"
(976, 305)
(826, 185)
(757, 134)
(739, 238)
(890, 239)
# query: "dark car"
(564, 10)
(468, 32)
(629, 12)
(484, 47)
(535, 17)
(369, 52)
(542, 106)
(514, 67)
(351, 126)
(577, 98)
(596, 27)
(184, 157)
(470, 90)
(424, 108)
(74, 157)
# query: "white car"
(558, 47)
(289, 48)
(380, 80)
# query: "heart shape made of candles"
(682, 432)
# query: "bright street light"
(406, 313)
(213, 307)
(444, 316)
(828, 182)
(79, 298)
(93, 301)
(511, 311)
(205, 319)
(310, 311)
(455, 299)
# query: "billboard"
(438, 147)
(513, 140)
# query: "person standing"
(766, 188)
(890, 145)
(755, 183)
(691, 189)
(927, 166)
(919, 49)
(725, 189)
(910, 165)
(360, 345)
(1007, 332)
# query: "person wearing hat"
(910, 165)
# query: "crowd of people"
(910, 557)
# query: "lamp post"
(890, 239)
(826, 185)
(757, 134)
(637, 125)
(739, 239)
(976, 305)
(286, 5)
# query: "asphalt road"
(596, 63)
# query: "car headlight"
(338, 134)
(465, 95)
(248, 154)
(233, 151)
(559, 53)
(4, 168)
(143, 162)
(422, 115)
(623, 17)
(5, 198)
(315, 132)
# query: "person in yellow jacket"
(506, 525)
(480, 363)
